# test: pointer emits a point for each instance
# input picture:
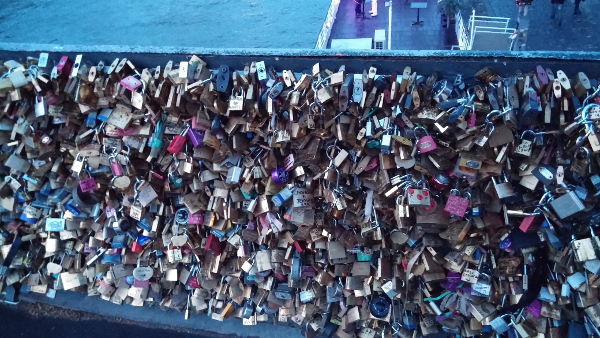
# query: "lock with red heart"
(418, 194)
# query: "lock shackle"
(422, 183)
(584, 115)
(546, 198)
(113, 152)
(331, 157)
(420, 127)
(589, 96)
(137, 183)
(139, 76)
(311, 108)
(587, 153)
(174, 166)
(493, 113)
(186, 127)
(403, 196)
(528, 131)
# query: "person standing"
(359, 8)
(577, 10)
(557, 11)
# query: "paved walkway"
(426, 36)
(577, 33)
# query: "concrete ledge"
(265, 52)
(444, 62)
(156, 316)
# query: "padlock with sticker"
(456, 205)
(419, 194)
(526, 146)
(426, 143)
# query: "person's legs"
(553, 16)
(577, 10)
(559, 14)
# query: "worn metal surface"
(446, 62)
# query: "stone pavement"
(577, 33)
(427, 36)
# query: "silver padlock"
(234, 173)
(503, 189)
(580, 166)
(567, 205)
(40, 107)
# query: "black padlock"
(380, 306)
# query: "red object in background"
(213, 245)
(194, 283)
(64, 66)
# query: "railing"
(488, 24)
(464, 43)
(327, 25)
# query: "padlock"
(503, 189)
(409, 320)
(87, 184)
(40, 107)
(380, 306)
(187, 166)
(418, 196)
(196, 136)
(567, 205)
(531, 223)
(580, 166)
(526, 146)
(178, 141)
(456, 205)
(425, 144)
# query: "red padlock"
(213, 245)
(64, 66)
(178, 141)
(137, 247)
(531, 223)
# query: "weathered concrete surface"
(192, 23)
(231, 327)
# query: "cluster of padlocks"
(348, 203)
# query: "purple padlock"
(88, 184)
(131, 83)
(535, 308)
(279, 176)
(197, 137)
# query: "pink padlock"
(131, 83)
(425, 144)
(137, 247)
(472, 119)
(198, 126)
(197, 218)
(115, 166)
(87, 184)
(372, 164)
(456, 206)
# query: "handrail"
(325, 33)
